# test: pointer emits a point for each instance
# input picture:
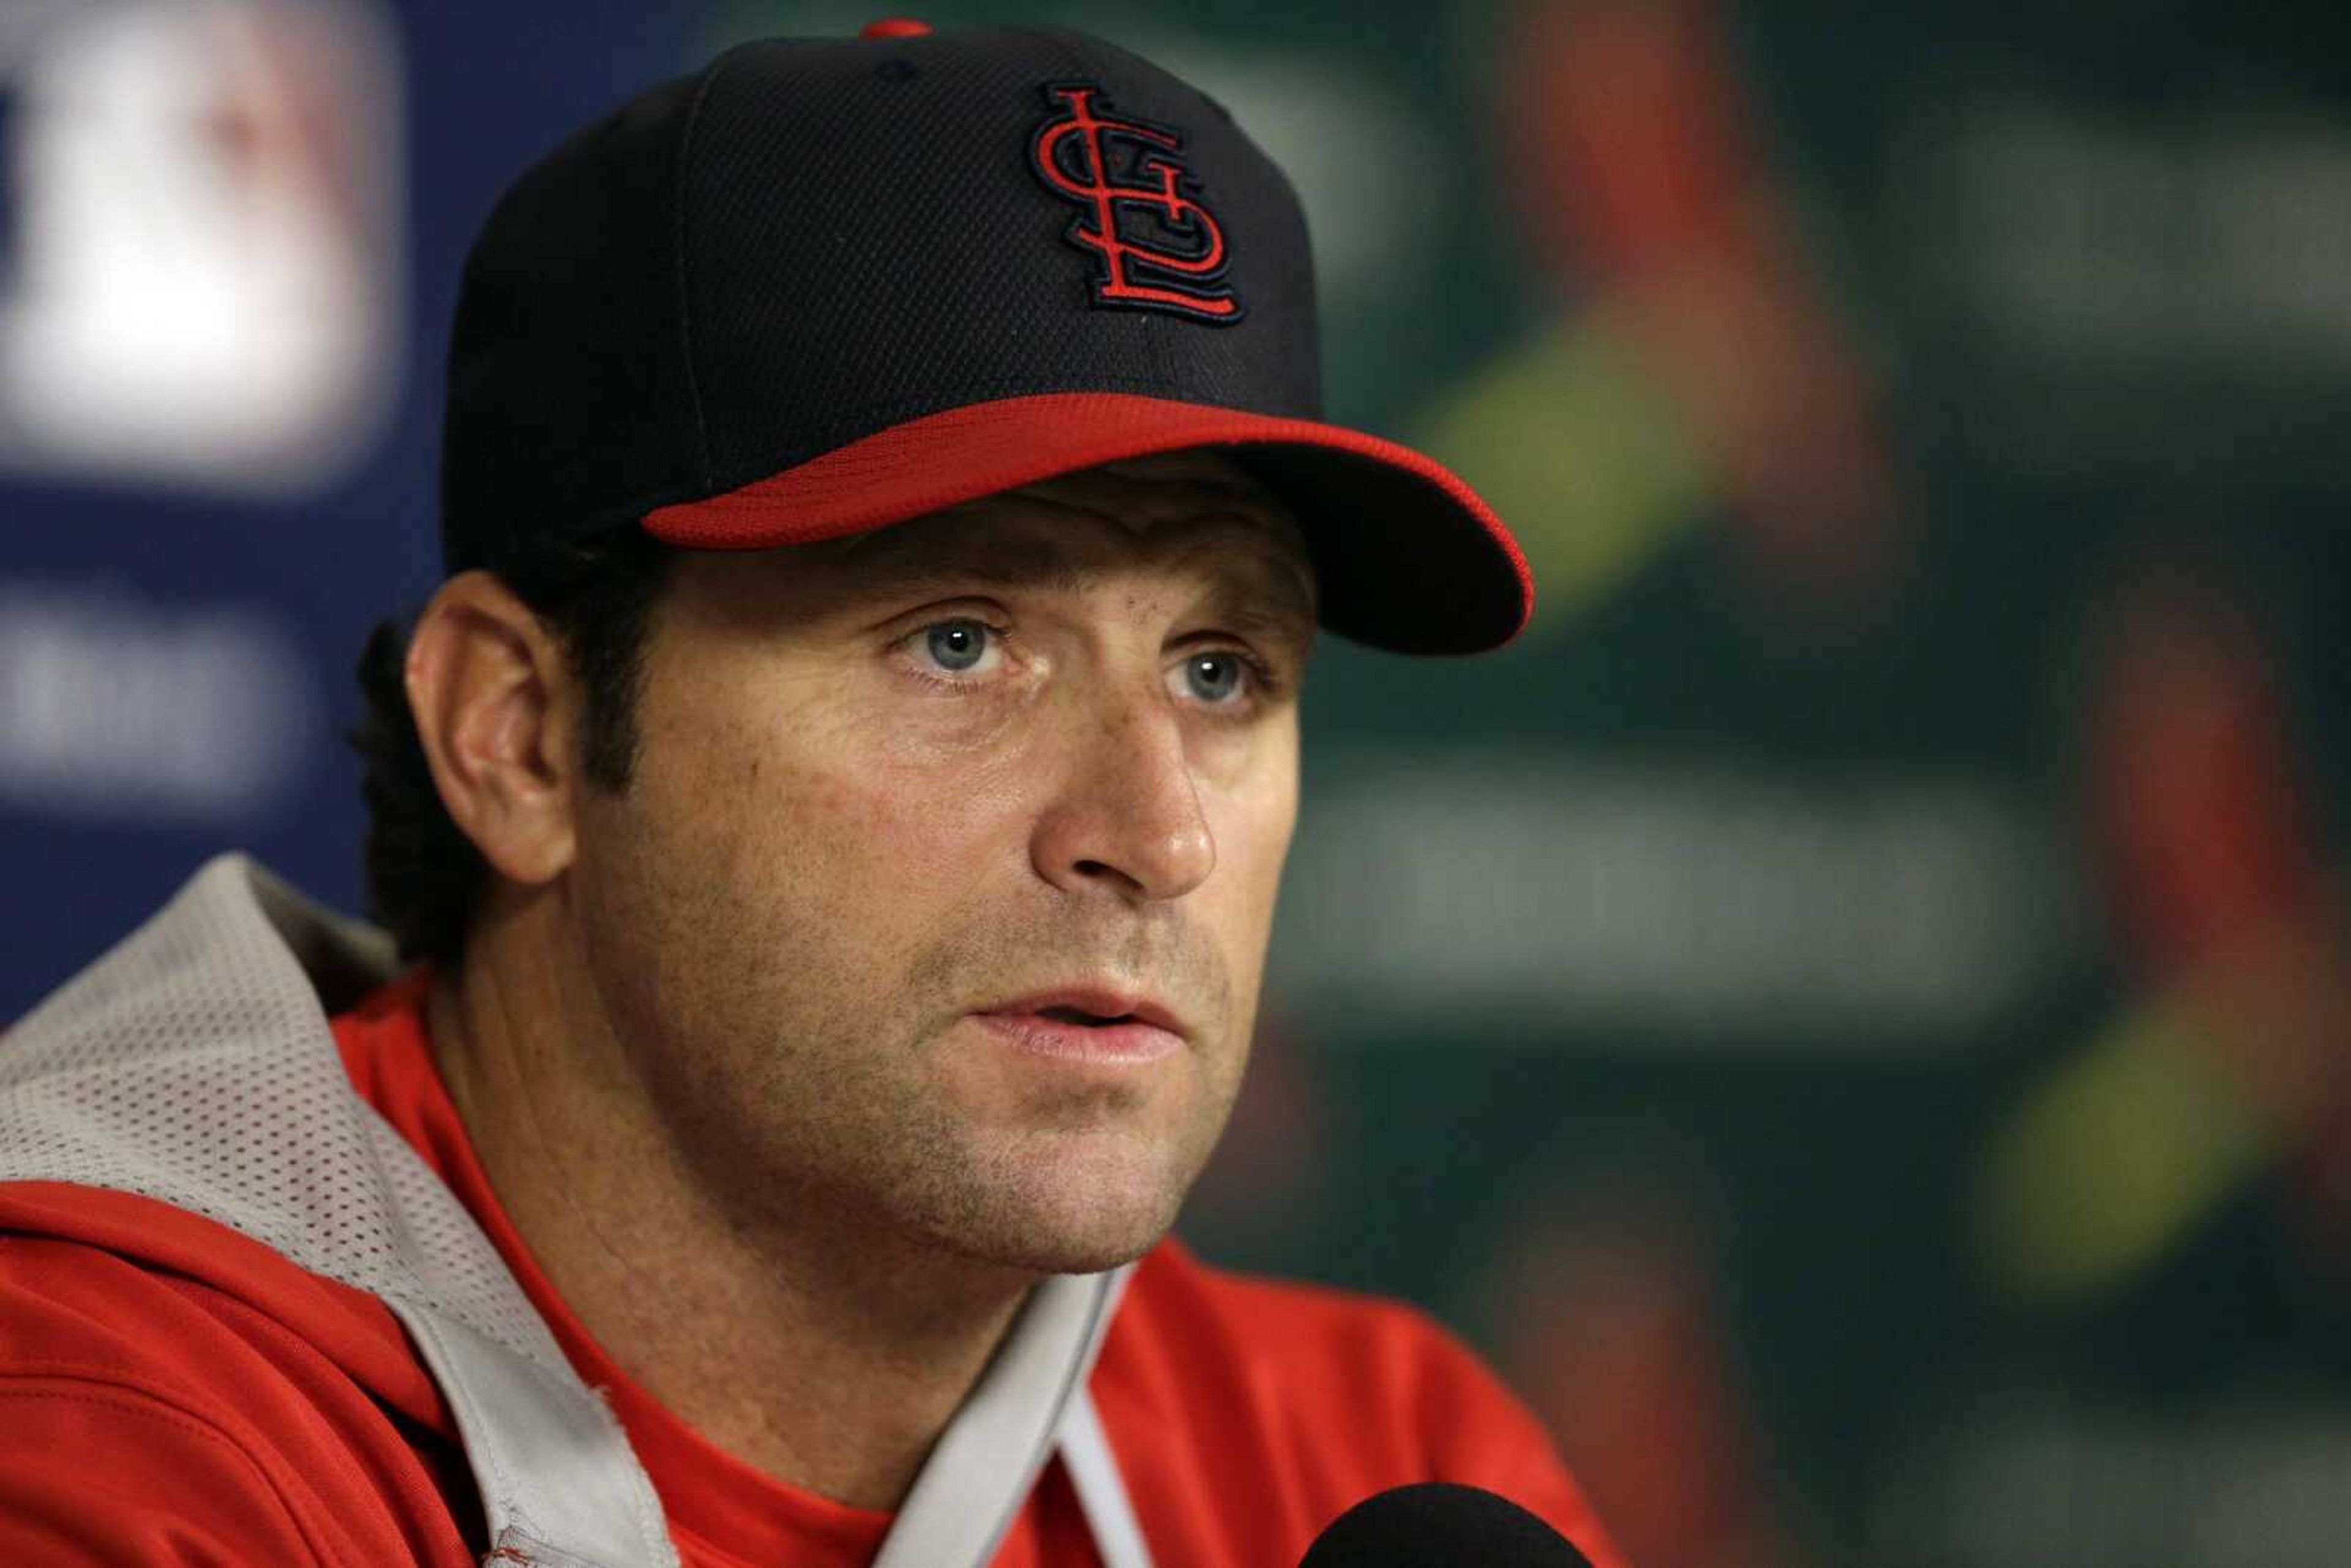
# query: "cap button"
(895, 27)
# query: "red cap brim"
(1407, 556)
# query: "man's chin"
(1066, 1201)
(1071, 1233)
(1042, 1258)
(1051, 1244)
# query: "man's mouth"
(1081, 1017)
(1090, 1026)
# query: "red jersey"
(172, 1392)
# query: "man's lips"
(1085, 1024)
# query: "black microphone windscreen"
(1436, 1525)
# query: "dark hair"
(423, 876)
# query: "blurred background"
(1853, 1013)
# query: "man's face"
(912, 809)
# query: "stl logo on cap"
(1072, 154)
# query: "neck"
(815, 1348)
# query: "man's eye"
(1215, 677)
(958, 646)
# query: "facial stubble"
(801, 1091)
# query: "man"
(839, 794)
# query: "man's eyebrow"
(890, 559)
(1273, 622)
(1271, 596)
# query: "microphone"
(1437, 1524)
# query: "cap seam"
(859, 424)
(618, 514)
(703, 473)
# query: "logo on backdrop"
(114, 707)
(199, 252)
(1158, 247)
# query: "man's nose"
(1128, 814)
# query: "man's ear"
(497, 711)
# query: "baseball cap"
(822, 286)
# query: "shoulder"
(196, 1375)
(1311, 1398)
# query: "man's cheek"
(1248, 873)
(935, 830)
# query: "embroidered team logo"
(1158, 248)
